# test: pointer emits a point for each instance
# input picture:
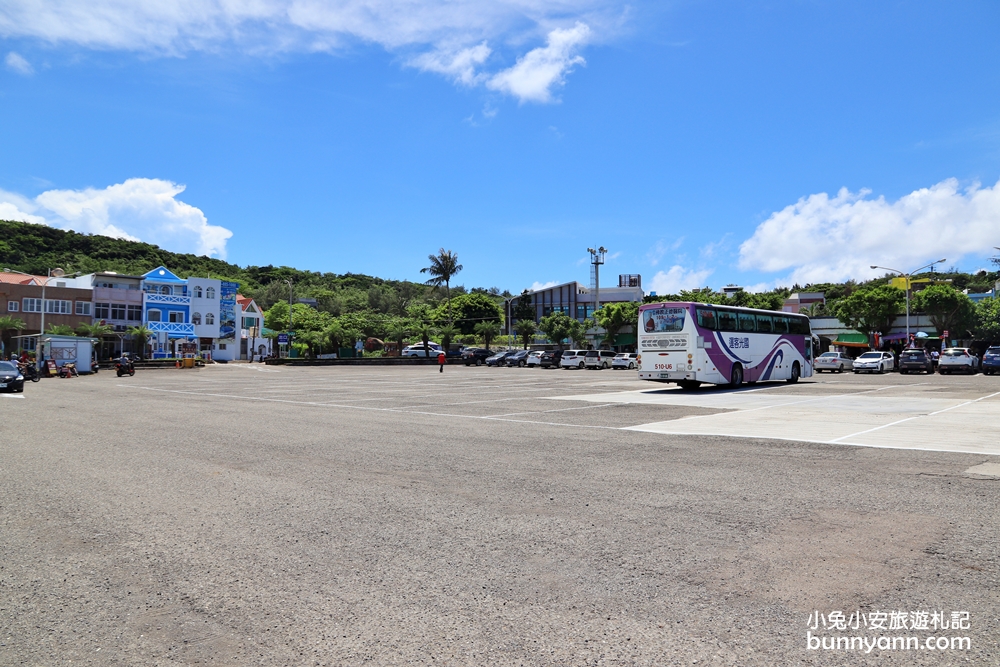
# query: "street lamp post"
(506, 303)
(289, 283)
(906, 276)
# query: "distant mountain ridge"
(37, 248)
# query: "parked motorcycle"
(68, 370)
(122, 369)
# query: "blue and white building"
(190, 311)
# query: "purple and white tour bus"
(692, 343)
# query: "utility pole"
(289, 281)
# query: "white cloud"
(822, 238)
(144, 209)
(16, 63)
(535, 286)
(534, 75)
(661, 248)
(443, 36)
(459, 66)
(678, 278)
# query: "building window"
(153, 316)
(118, 311)
(166, 290)
(83, 308)
(102, 311)
(58, 307)
(222, 346)
(249, 322)
(196, 318)
(177, 316)
(197, 291)
(31, 305)
(135, 313)
(209, 318)
(13, 306)
(210, 293)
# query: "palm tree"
(61, 330)
(443, 268)
(98, 331)
(141, 333)
(8, 325)
(525, 329)
(398, 332)
(425, 331)
(448, 332)
(488, 330)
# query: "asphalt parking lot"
(244, 514)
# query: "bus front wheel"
(736, 377)
(796, 373)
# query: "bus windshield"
(669, 319)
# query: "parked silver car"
(874, 362)
(599, 359)
(835, 362)
(958, 360)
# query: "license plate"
(664, 375)
(3, 385)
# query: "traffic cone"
(177, 364)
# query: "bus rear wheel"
(796, 373)
(736, 377)
(688, 384)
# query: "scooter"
(68, 370)
(123, 369)
(29, 372)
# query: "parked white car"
(534, 358)
(624, 360)
(573, 359)
(418, 350)
(835, 362)
(874, 362)
(958, 360)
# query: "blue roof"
(162, 274)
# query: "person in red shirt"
(441, 361)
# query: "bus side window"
(706, 318)
(780, 324)
(748, 322)
(764, 323)
(727, 320)
(798, 325)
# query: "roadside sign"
(283, 339)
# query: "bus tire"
(736, 376)
(688, 384)
(796, 373)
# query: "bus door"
(742, 346)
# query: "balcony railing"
(176, 328)
(168, 298)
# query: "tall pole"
(289, 281)
(906, 277)
(597, 258)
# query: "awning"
(851, 340)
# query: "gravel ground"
(243, 515)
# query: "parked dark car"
(991, 361)
(915, 360)
(476, 355)
(498, 358)
(519, 358)
(551, 359)
(10, 377)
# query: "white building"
(252, 341)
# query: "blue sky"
(702, 143)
